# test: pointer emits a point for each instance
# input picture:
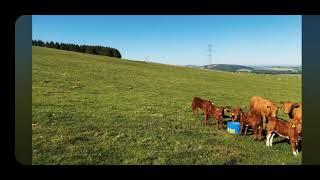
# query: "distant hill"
(253, 69)
(278, 69)
(194, 66)
(228, 67)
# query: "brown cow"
(264, 107)
(297, 117)
(198, 103)
(252, 119)
(284, 129)
(236, 114)
(294, 110)
(216, 113)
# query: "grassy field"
(90, 109)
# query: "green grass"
(90, 109)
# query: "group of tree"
(98, 50)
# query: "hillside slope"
(90, 109)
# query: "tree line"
(98, 50)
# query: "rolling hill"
(90, 109)
(228, 67)
(253, 69)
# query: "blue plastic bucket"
(233, 127)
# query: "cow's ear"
(296, 105)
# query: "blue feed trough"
(233, 127)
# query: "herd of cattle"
(262, 116)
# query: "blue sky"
(182, 40)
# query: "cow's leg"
(271, 139)
(268, 139)
(254, 132)
(241, 125)
(246, 130)
(222, 125)
(206, 118)
(196, 109)
(293, 146)
(218, 123)
(260, 133)
(294, 151)
(297, 149)
(264, 121)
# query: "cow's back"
(250, 117)
(278, 125)
(259, 104)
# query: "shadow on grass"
(281, 141)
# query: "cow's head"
(273, 110)
(236, 113)
(296, 105)
(286, 106)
